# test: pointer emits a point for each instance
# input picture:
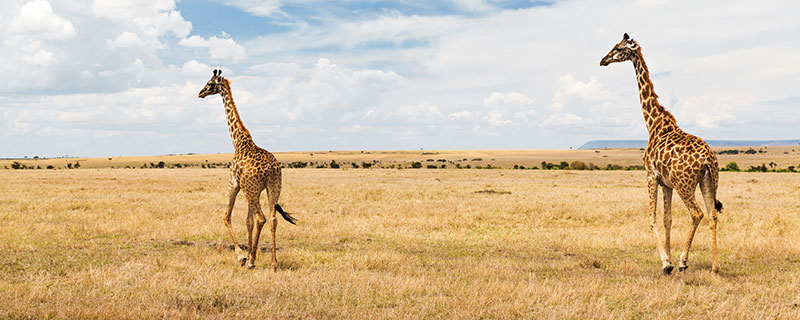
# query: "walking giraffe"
(673, 159)
(253, 169)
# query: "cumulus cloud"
(126, 40)
(504, 105)
(150, 19)
(195, 68)
(573, 93)
(37, 20)
(528, 75)
(219, 48)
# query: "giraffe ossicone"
(253, 170)
(673, 159)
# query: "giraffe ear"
(625, 36)
(215, 72)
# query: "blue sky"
(103, 78)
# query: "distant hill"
(617, 144)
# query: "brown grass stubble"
(389, 244)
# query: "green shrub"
(731, 166)
(334, 165)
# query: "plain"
(388, 243)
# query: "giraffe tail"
(713, 177)
(285, 214)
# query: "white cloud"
(126, 40)
(37, 20)
(262, 8)
(406, 77)
(503, 105)
(195, 69)
(151, 18)
(473, 5)
(572, 93)
(219, 48)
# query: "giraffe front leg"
(652, 187)
(241, 258)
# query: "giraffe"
(673, 159)
(253, 169)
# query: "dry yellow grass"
(386, 244)
(782, 156)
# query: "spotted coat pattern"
(253, 170)
(673, 159)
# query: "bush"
(750, 151)
(416, 165)
(334, 165)
(298, 164)
(50, 167)
(761, 168)
(366, 165)
(355, 165)
(16, 165)
(563, 165)
(728, 152)
(431, 166)
(579, 165)
(731, 166)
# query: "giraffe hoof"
(667, 270)
(251, 266)
(680, 269)
(715, 269)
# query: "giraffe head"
(622, 51)
(214, 86)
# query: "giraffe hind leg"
(667, 196)
(260, 220)
(688, 197)
(709, 190)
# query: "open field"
(781, 156)
(383, 243)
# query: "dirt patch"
(490, 191)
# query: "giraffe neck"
(239, 134)
(655, 116)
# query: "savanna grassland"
(774, 157)
(389, 243)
